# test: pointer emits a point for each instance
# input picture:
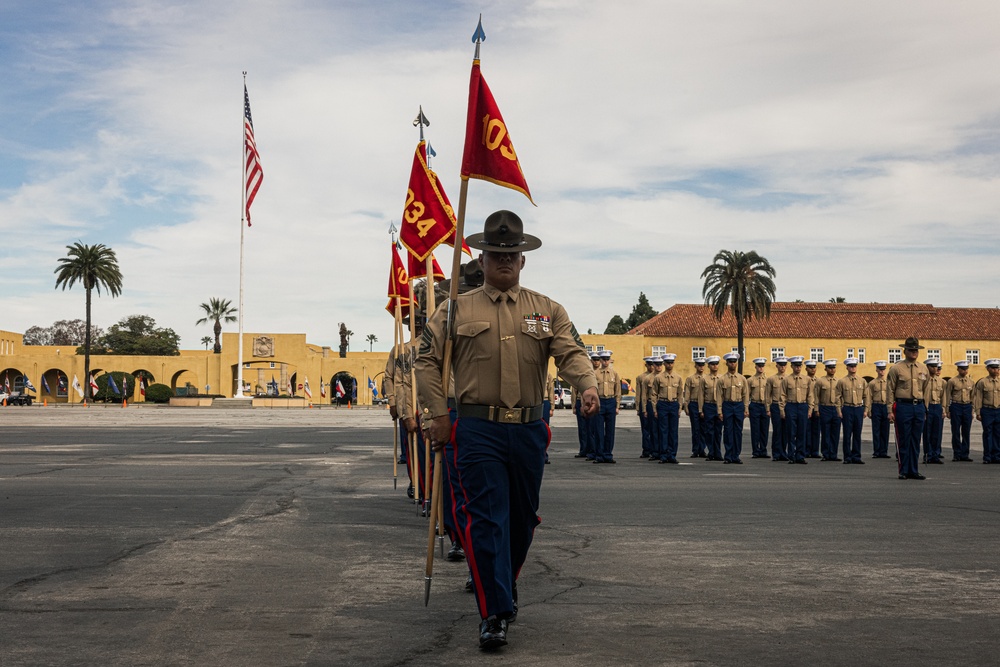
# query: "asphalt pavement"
(171, 536)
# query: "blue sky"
(854, 144)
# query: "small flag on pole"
(27, 383)
(142, 386)
(322, 387)
(253, 174)
(371, 385)
(428, 219)
(93, 386)
(76, 385)
(112, 385)
(340, 390)
(45, 386)
(399, 284)
(305, 388)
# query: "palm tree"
(218, 311)
(743, 283)
(206, 341)
(372, 339)
(838, 299)
(93, 266)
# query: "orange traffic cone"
(124, 403)
(45, 402)
(349, 406)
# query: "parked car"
(564, 398)
(18, 398)
(628, 403)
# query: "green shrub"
(158, 393)
(104, 393)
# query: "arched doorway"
(343, 389)
(54, 387)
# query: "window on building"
(659, 350)
(816, 353)
(246, 365)
(850, 353)
(272, 364)
(743, 355)
(861, 355)
(697, 352)
(777, 352)
(972, 356)
(934, 354)
(590, 348)
(895, 355)
(600, 348)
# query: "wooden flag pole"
(395, 422)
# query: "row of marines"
(807, 412)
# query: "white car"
(564, 398)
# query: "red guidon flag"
(399, 283)
(489, 154)
(428, 219)
(419, 269)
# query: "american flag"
(253, 175)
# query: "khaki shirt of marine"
(986, 395)
(758, 388)
(824, 392)
(958, 390)
(647, 385)
(666, 387)
(691, 384)
(876, 393)
(774, 389)
(640, 392)
(609, 384)
(851, 391)
(706, 390)
(934, 390)
(476, 355)
(732, 388)
(794, 389)
(905, 381)
(404, 384)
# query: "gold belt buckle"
(511, 416)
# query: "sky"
(855, 145)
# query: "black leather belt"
(960, 403)
(757, 402)
(501, 414)
(910, 401)
(854, 405)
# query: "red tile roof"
(880, 321)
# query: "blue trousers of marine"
(668, 415)
(778, 452)
(814, 434)
(712, 431)
(582, 432)
(991, 434)
(498, 475)
(595, 433)
(831, 431)
(880, 429)
(854, 417)
(933, 432)
(759, 423)
(796, 416)
(732, 422)
(606, 419)
(961, 429)
(644, 429)
(697, 430)
(910, 419)
(654, 431)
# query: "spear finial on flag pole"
(479, 36)
(421, 122)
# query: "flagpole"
(243, 211)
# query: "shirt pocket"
(474, 345)
(534, 347)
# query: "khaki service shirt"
(906, 380)
(958, 390)
(774, 389)
(934, 390)
(542, 329)
(733, 388)
(794, 389)
(609, 384)
(876, 392)
(986, 394)
(824, 392)
(640, 392)
(758, 388)
(706, 390)
(666, 387)
(851, 391)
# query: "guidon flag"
(428, 218)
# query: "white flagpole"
(243, 211)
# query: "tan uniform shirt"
(666, 387)
(647, 385)
(733, 387)
(774, 389)
(640, 392)
(706, 390)
(824, 392)
(759, 390)
(609, 384)
(876, 392)
(934, 390)
(958, 390)
(851, 391)
(403, 382)
(986, 394)
(794, 389)
(501, 354)
(905, 381)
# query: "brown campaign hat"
(912, 344)
(503, 232)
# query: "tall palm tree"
(744, 283)
(206, 341)
(218, 311)
(94, 266)
(372, 339)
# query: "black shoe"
(966, 460)
(597, 461)
(695, 456)
(738, 462)
(915, 475)
(400, 460)
(800, 462)
(409, 492)
(456, 553)
(644, 455)
(492, 633)
(727, 461)
(513, 614)
(813, 456)
(674, 461)
(579, 456)
(936, 462)
(547, 460)
(858, 462)
(903, 477)
(611, 461)
(468, 584)
(701, 455)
